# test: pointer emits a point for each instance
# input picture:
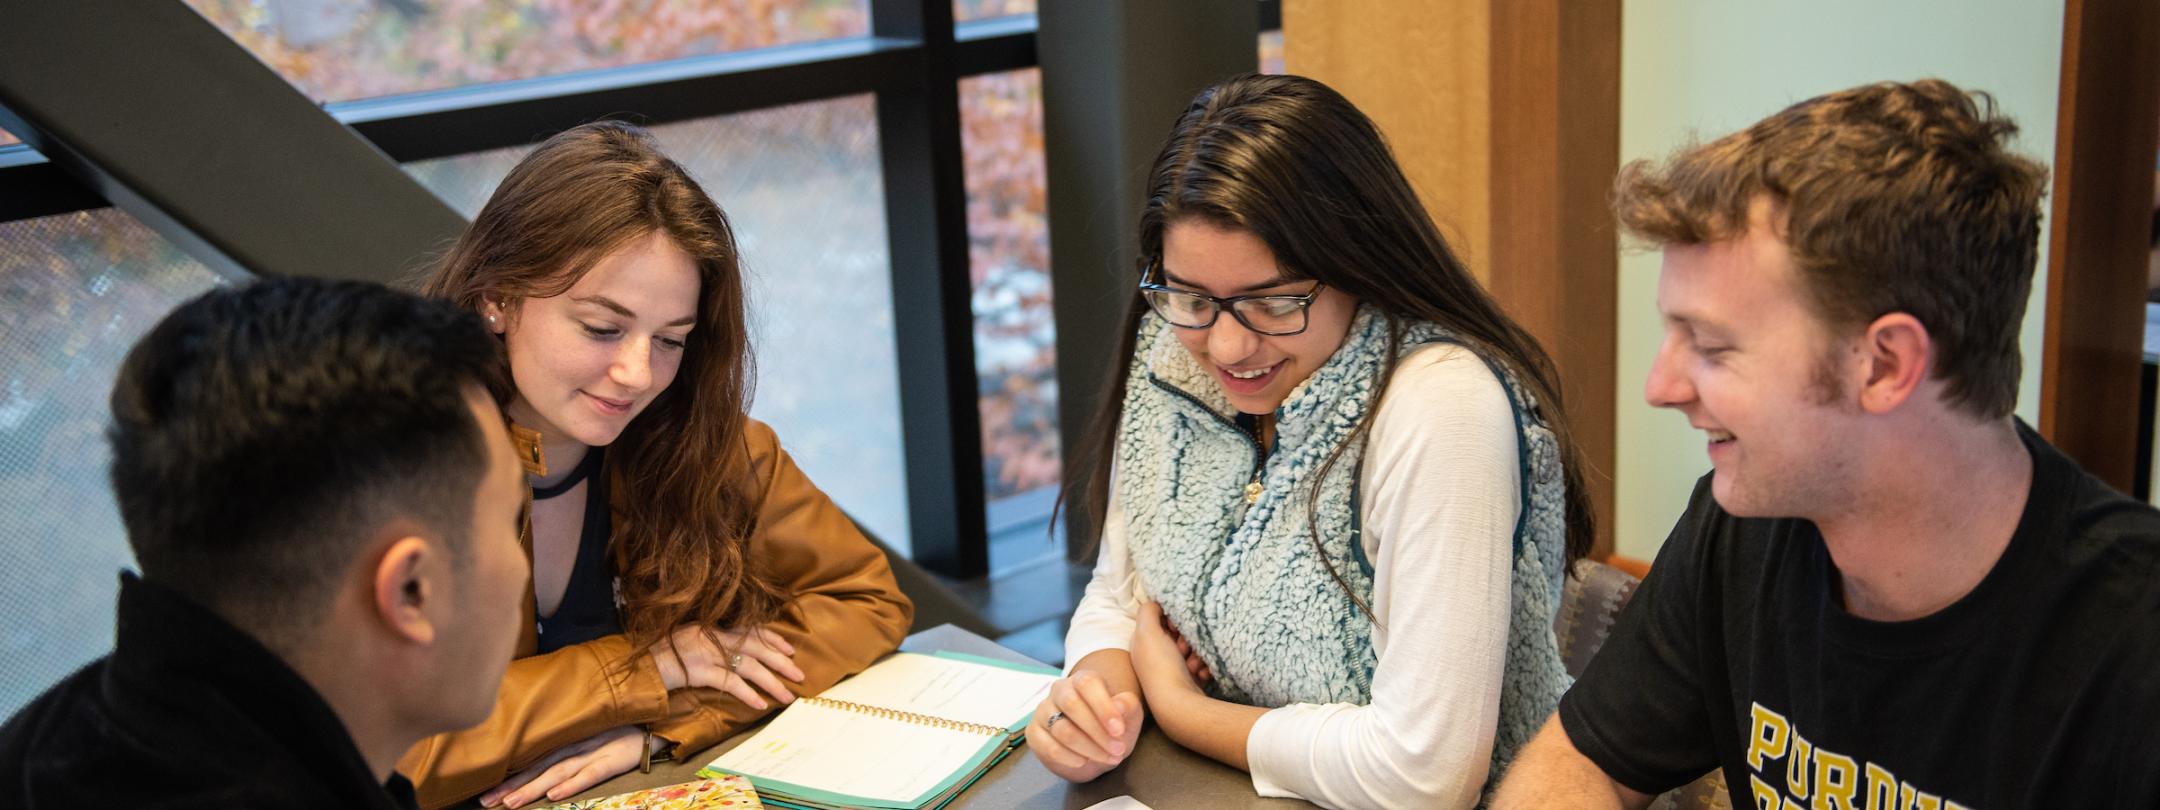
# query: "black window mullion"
(926, 229)
(206, 145)
(459, 120)
(995, 46)
(456, 121)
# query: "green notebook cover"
(994, 749)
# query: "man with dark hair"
(323, 499)
(1889, 593)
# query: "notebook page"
(841, 751)
(941, 687)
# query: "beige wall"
(1712, 66)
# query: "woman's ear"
(498, 321)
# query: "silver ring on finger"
(734, 662)
(1052, 720)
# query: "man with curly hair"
(1889, 592)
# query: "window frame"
(911, 61)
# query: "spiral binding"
(905, 717)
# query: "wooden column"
(1422, 70)
(2107, 130)
(1506, 116)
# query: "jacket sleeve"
(547, 701)
(847, 610)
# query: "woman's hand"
(1217, 728)
(1163, 661)
(572, 769)
(739, 662)
(1082, 731)
(1193, 664)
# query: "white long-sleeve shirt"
(1442, 488)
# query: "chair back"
(1590, 601)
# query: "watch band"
(665, 754)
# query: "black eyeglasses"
(1271, 315)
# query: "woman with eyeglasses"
(1334, 485)
(687, 577)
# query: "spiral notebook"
(910, 732)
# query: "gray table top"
(1160, 773)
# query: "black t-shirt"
(2040, 688)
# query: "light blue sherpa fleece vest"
(1244, 582)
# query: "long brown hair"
(681, 488)
(1292, 162)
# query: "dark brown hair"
(680, 482)
(1292, 162)
(1892, 198)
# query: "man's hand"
(1550, 772)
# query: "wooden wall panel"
(1420, 69)
(1506, 116)
(1555, 254)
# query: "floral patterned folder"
(730, 791)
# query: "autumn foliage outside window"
(78, 290)
(1271, 52)
(339, 50)
(1009, 265)
(966, 10)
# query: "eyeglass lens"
(1264, 315)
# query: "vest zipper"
(1252, 487)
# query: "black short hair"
(261, 432)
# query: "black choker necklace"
(585, 469)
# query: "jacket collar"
(170, 652)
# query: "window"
(79, 288)
(803, 182)
(1009, 259)
(1009, 264)
(972, 10)
(801, 186)
(337, 50)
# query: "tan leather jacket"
(846, 613)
